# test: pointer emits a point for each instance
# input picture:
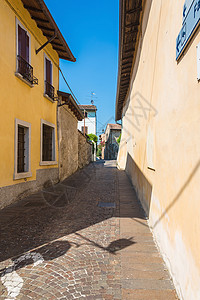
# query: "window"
(24, 69)
(47, 143)
(85, 114)
(86, 129)
(23, 43)
(48, 71)
(22, 149)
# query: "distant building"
(89, 111)
(112, 133)
(102, 138)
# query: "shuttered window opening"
(49, 89)
(21, 150)
(47, 143)
(23, 44)
(48, 71)
(86, 129)
(23, 55)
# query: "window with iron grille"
(22, 149)
(47, 143)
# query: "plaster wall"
(90, 122)
(160, 150)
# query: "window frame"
(17, 53)
(47, 57)
(53, 161)
(86, 129)
(27, 173)
(17, 74)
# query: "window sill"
(22, 175)
(18, 75)
(48, 163)
(49, 98)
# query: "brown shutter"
(48, 71)
(19, 40)
(27, 48)
(23, 44)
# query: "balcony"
(49, 90)
(26, 70)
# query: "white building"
(90, 119)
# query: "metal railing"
(49, 90)
(26, 70)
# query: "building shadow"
(142, 186)
(36, 222)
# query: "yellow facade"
(18, 99)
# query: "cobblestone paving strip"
(60, 244)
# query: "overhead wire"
(65, 80)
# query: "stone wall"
(68, 142)
(84, 150)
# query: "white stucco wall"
(90, 122)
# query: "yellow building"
(158, 100)
(29, 80)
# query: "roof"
(73, 106)
(44, 20)
(130, 19)
(114, 126)
(88, 107)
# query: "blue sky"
(91, 31)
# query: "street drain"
(107, 205)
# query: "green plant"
(93, 137)
(119, 139)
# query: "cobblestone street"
(85, 238)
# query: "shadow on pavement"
(40, 219)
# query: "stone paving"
(85, 238)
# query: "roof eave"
(130, 32)
(64, 51)
(73, 106)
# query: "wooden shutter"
(48, 71)
(23, 44)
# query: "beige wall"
(84, 151)
(161, 153)
(68, 142)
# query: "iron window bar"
(26, 70)
(21, 150)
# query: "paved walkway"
(86, 238)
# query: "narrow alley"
(84, 238)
